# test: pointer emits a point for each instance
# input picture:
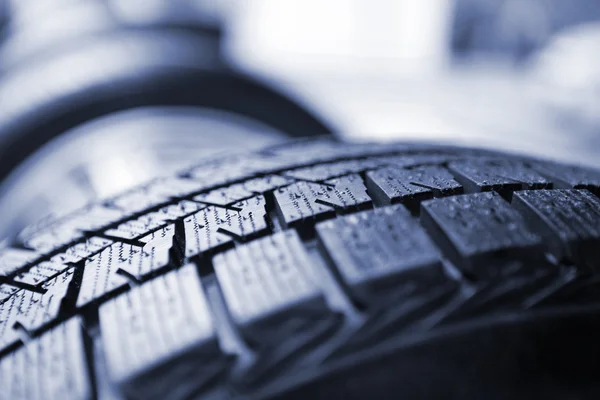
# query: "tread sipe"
(314, 269)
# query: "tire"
(315, 270)
(172, 73)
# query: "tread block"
(33, 310)
(567, 220)
(50, 367)
(249, 221)
(318, 151)
(8, 336)
(144, 262)
(40, 273)
(225, 196)
(81, 251)
(483, 176)
(326, 171)
(179, 210)
(174, 187)
(308, 201)
(154, 193)
(323, 172)
(567, 177)
(268, 282)
(7, 290)
(418, 160)
(313, 151)
(213, 227)
(410, 186)
(159, 332)
(106, 272)
(267, 183)
(134, 229)
(11, 260)
(200, 234)
(222, 170)
(159, 238)
(47, 241)
(379, 253)
(237, 192)
(55, 234)
(478, 229)
(100, 275)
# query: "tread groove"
(386, 224)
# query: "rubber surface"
(314, 269)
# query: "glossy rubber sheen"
(314, 269)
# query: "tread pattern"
(52, 367)
(134, 229)
(569, 222)
(57, 233)
(565, 177)
(393, 185)
(237, 192)
(308, 202)
(272, 293)
(32, 310)
(37, 274)
(215, 227)
(152, 194)
(322, 172)
(246, 271)
(11, 260)
(164, 322)
(266, 281)
(374, 252)
(111, 269)
(478, 176)
(474, 229)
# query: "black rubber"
(315, 270)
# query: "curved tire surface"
(314, 269)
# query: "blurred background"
(133, 89)
(517, 74)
